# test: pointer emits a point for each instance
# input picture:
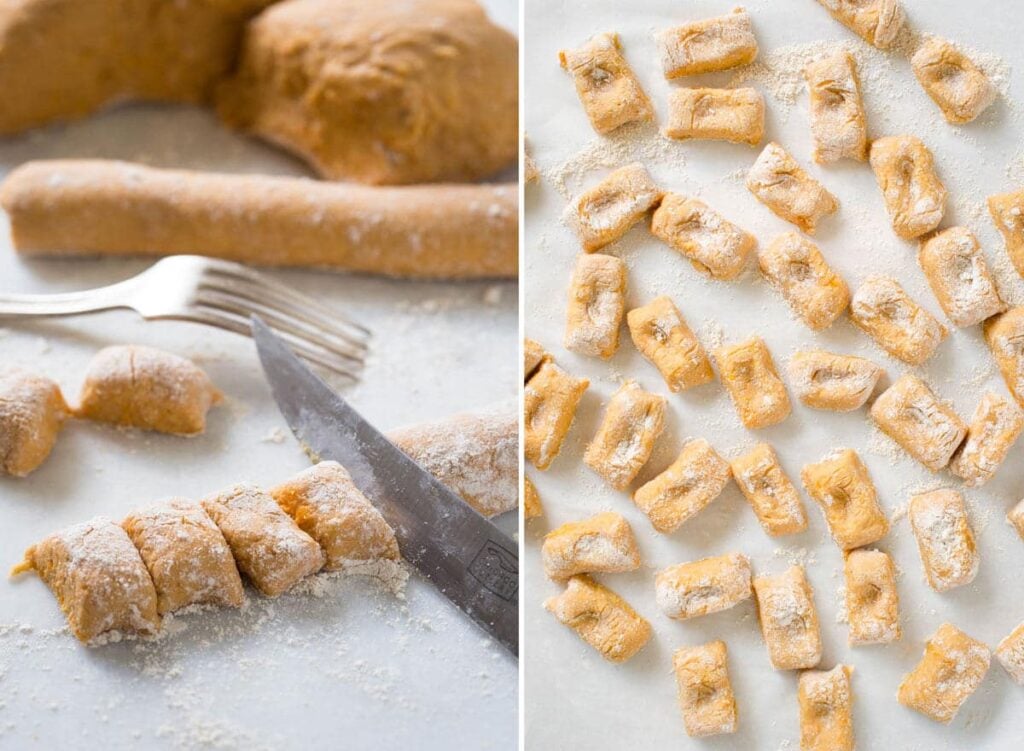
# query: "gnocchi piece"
(602, 544)
(944, 539)
(1010, 653)
(769, 491)
(597, 301)
(710, 585)
(147, 388)
(606, 212)
(609, 91)
(884, 311)
(696, 478)
(872, 604)
(532, 506)
(268, 546)
(624, 442)
(841, 485)
(601, 618)
(914, 195)
(1015, 517)
(826, 709)
(327, 506)
(749, 375)
(927, 429)
(187, 557)
(98, 578)
(32, 411)
(705, 692)
(735, 115)
(995, 426)
(708, 45)
(777, 181)
(952, 668)
(1007, 211)
(534, 355)
(958, 275)
(789, 620)
(713, 245)
(838, 124)
(549, 407)
(1005, 337)
(661, 335)
(794, 266)
(877, 22)
(825, 380)
(952, 80)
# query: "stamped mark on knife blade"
(497, 569)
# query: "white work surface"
(355, 667)
(574, 699)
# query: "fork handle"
(66, 304)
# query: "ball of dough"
(32, 411)
(147, 388)
(384, 92)
(62, 59)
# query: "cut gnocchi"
(602, 544)
(1005, 337)
(601, 618)
(944, 539)
(872, 603)
(789, 620)
(914, 195)
(707, 45)
(877, 22)
(550, 400)
(825, 380)
(749, 375)
(769, 491)
(714, 246)
(777, 181)
(927, 429)
(841, 485)
(1007, 211)
(826, 709)
(606, 212)
(952, 80)
(794, 266)
(696, 478)
(662, 336)
(710, 585)
(952, 668)
(994, 428)
(607, 87)
(32, 412)
(705, 693)
(838, 124)
(885, 312)
(597, 301)
(624, 442)
(1010, 653)
(735, 115)
(958, 275)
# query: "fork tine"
(287, 295)
(240, 325)
(229, 303)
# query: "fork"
(216, 293)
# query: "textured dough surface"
(97, 207)
(32, 411)
(384, 92)
(63, 59)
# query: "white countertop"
(355, 667)
(576, 700)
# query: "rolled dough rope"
(97, 207)
(62, 59)
(475, 454)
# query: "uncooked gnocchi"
(927, 428)
(550, 399)
(952, 668)
(838, 125)
(707, 45)
(958, 275)
(841, 485)
(944, 539)
(624, 442)
(872, 604)
(794, 266)
(735, 115)
(877, 22)
(32, 411)
(661, 335)
(1007, 211)
(602, 544)
(710, 585)
(1005, 337)
(714, 246)
(705, 692)
(604, 213)
(789, 620)
(601, 618)
(777, 181)
(1010, 653)
(749, 375)
(914, 195)
(770, 492)
(885, 312)
(607, 87)
(146, 388)
(954, 82)
(597, 301)
(696, 478)
(994, 428)
(825, 380)
(826, 709)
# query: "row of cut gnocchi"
(122, 578)
(133, 386)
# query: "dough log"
(97, 207)
(475, 454)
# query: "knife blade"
(467, 558)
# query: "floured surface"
(571, 690)
(347, 662)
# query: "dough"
(98, 578)
(383, 92)
(89, 207)
(32, 411)
(329, 508)
(63, 59)
(268, 546)
(475, 454)
(186, 555)
(147, 388)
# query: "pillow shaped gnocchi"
(147, 388)
(32, 411)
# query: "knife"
(467, 558)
